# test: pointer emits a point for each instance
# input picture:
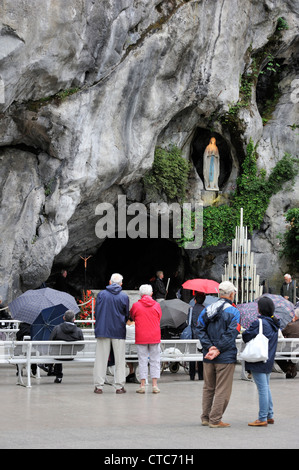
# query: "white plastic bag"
(256, 350)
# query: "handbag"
(256, 350)
(187, 332)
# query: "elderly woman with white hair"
(147, 313)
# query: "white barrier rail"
(48, 352)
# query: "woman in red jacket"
(147, 315)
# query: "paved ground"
(71, 416)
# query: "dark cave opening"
(200, 140)
(136, 259)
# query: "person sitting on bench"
(66, 331)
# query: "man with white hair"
(218, 326)
(159, 287)
(111, 315)
(287, 288)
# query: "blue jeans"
(262, 382)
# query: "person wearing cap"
(261, 371)
(218, 326)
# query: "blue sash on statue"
(211, 169)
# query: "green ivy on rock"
(168, 175)
(253, 193)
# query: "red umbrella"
(202, 285)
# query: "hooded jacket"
(219, 325)
(146, 313)
(66, 332)
(111, 313)
(270, 330)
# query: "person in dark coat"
(61, 283)
(287, 289)
(159, 287)
(67, 331)
(111, 315)
(261, 371)
(196, 311)
(290, 331)
(218, 327)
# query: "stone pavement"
(70, 416)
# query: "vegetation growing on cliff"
(168, 175)
(253, 193)
(290, 239)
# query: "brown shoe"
(98, 390)
(121, 390)
(219, 425)
(205, 423)
(270, 421)
(257, 422)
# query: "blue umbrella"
(210, 299)
(28, 306)
(43, 325)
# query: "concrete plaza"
(70, 416)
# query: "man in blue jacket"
(111, 315)
(218, 326)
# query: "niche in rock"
(267, 88)
(199, 143)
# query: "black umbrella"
(174, 313)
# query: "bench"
(25, 353)
(7, 334)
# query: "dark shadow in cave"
(200, 140)
(267, 88)
(136, 259)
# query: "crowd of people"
(216, 326)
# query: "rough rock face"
(131, 75)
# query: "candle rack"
(241, 270)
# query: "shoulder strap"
(190, 315)
(260, 326)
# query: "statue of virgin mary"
(211, 165)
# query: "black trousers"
(58, 370)
(192, 369)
